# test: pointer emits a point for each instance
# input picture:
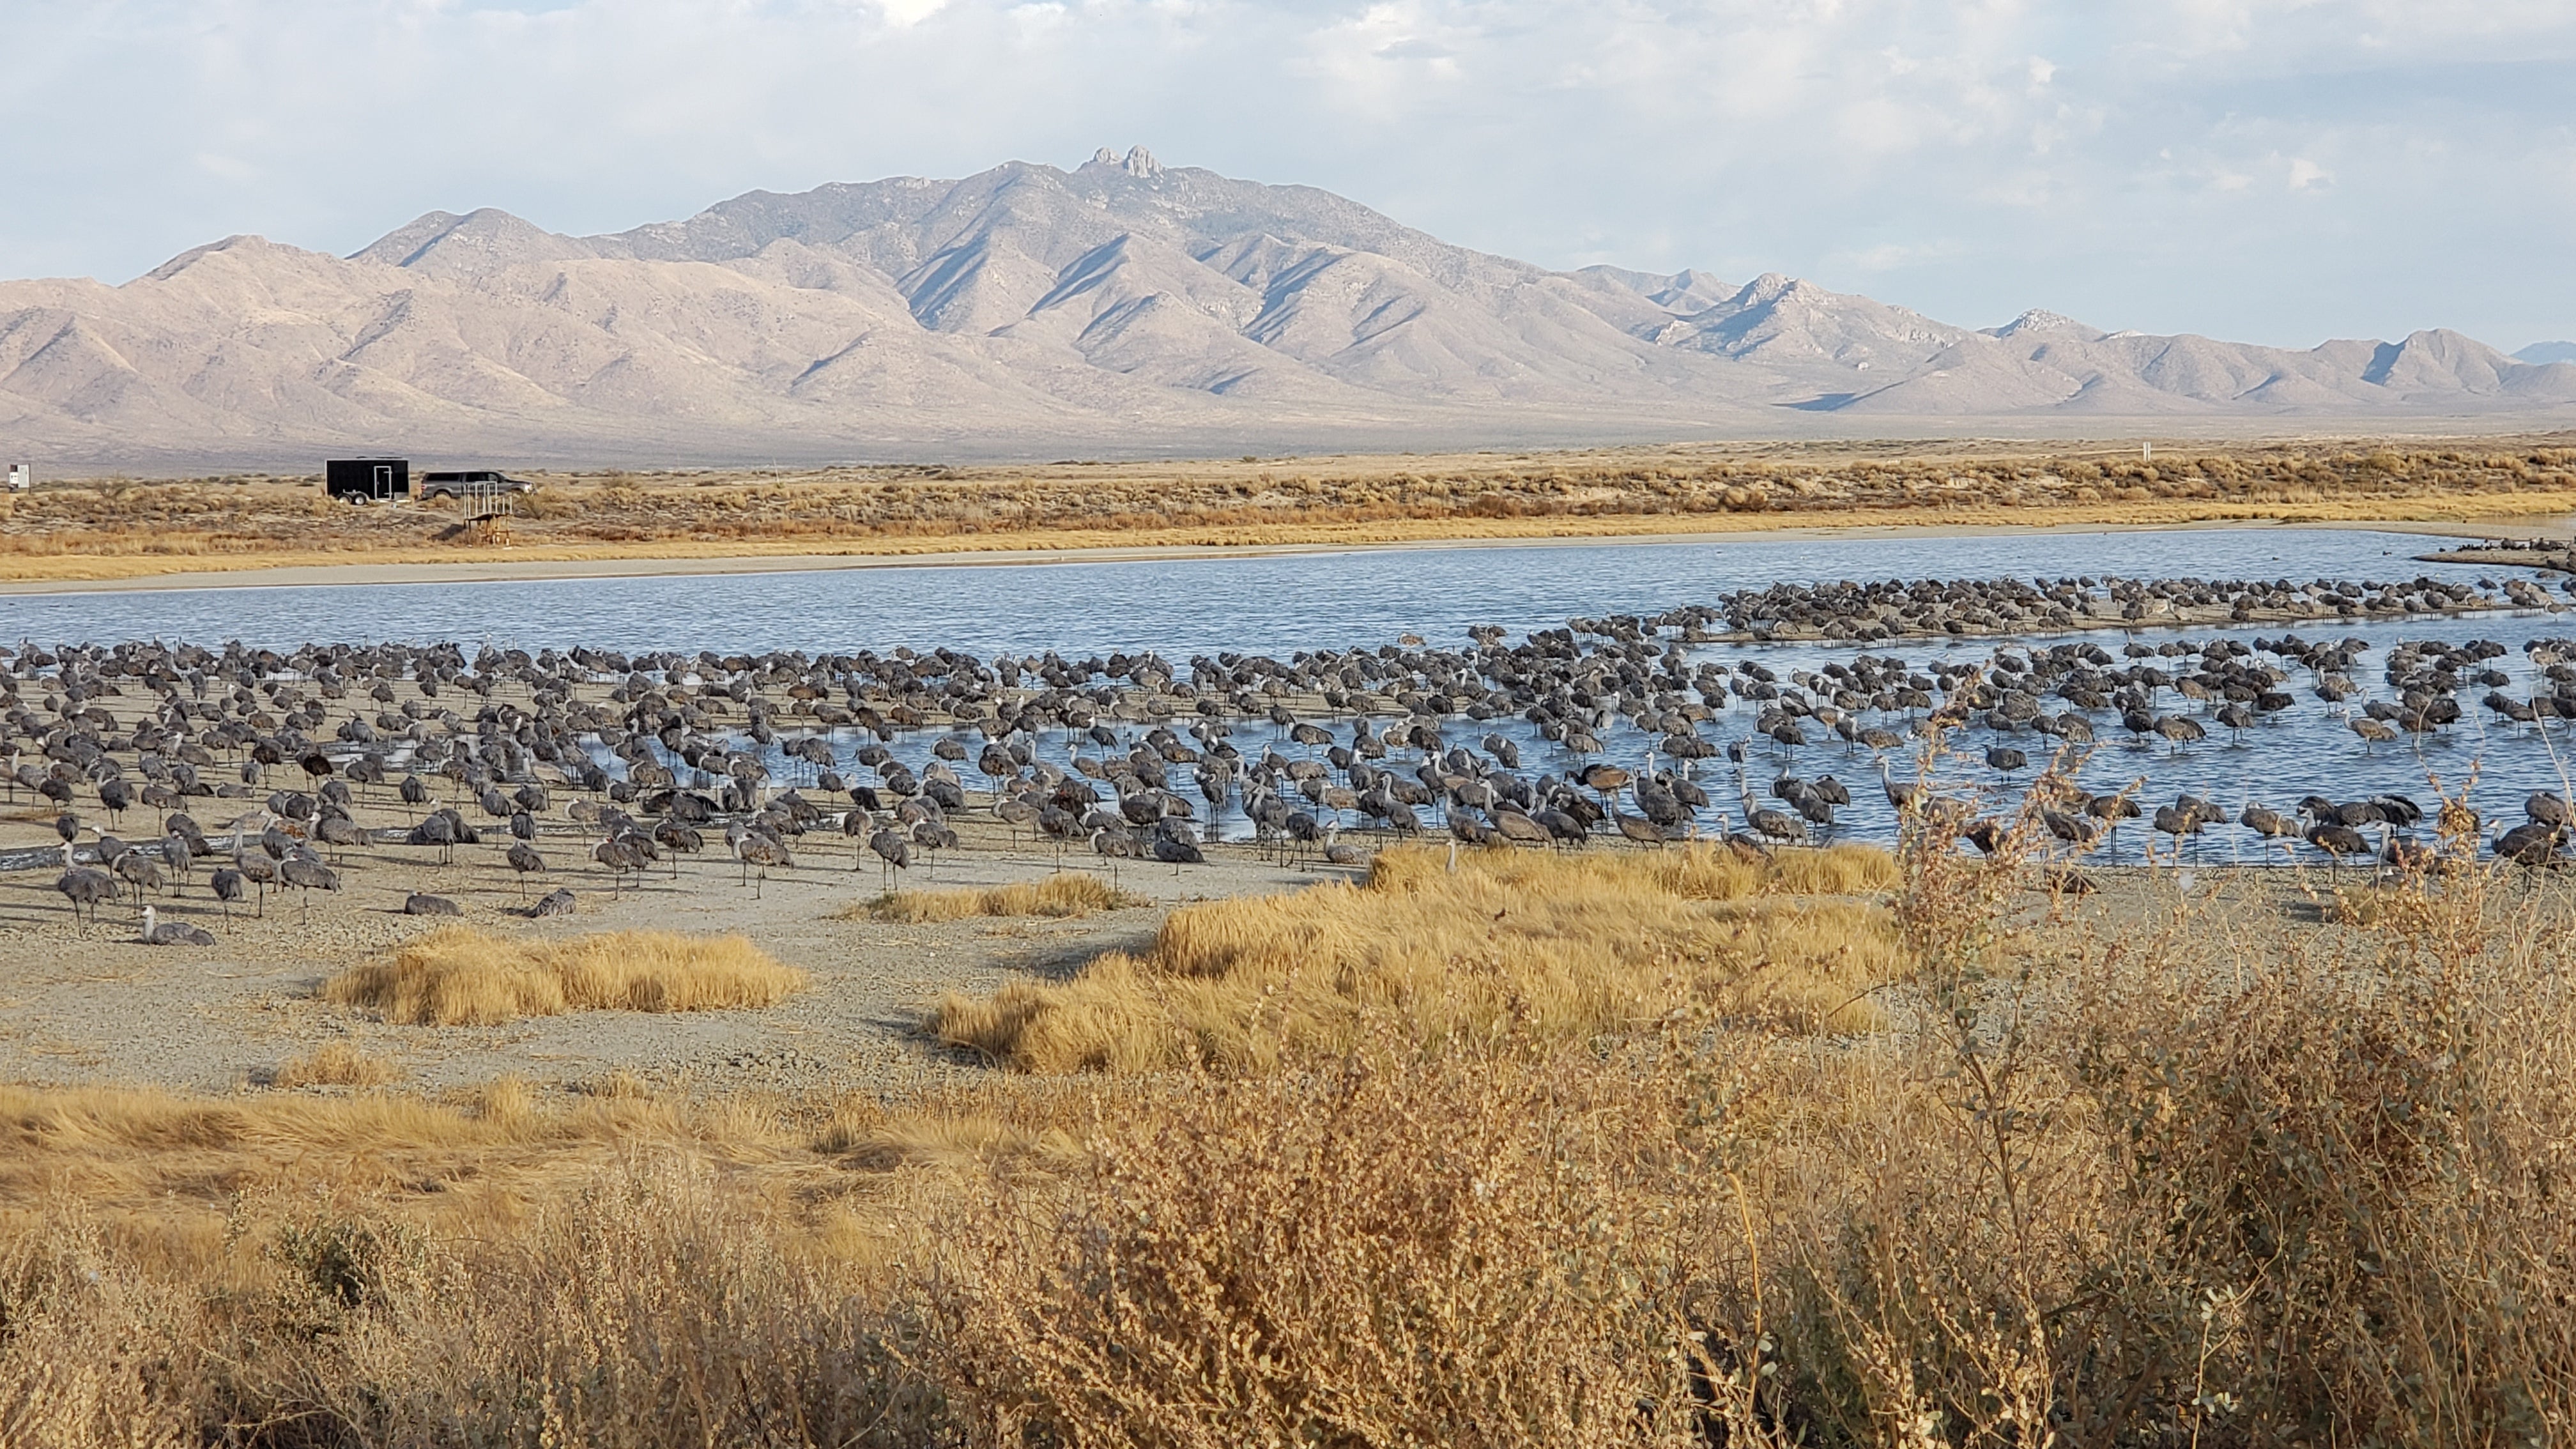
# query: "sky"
(2273, 171)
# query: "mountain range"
(1122, 308)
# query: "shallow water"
(1280, 604)
(1273, 604)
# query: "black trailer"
(367, 480)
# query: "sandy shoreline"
(501, 568)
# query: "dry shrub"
(1573, 945)
(337, 1064)
(73, 1372)
(462, 977)
(1062, 895)
(1352, 1257)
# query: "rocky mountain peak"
(1138, 162)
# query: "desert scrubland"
(105, 528)
(1689, 1144)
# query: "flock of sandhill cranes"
(649, 759)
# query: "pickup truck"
(456, 485)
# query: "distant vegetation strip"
(110, 528)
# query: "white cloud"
(1970, 159)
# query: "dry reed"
(462, 977)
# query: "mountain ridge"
(1124, 306)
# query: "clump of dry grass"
(463, 977)
(1062, 895)
(337, 1064)
(1569, 945)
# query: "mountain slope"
(1121, 307)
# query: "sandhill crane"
(893, 851)
(524, 861)
(138, 871)
(2409, 855)
(85, 887)
(2177, 822)
(930, 836)
(227, 883)
(678, 839)
(260, 869)
(1113, 846)
(1606, 781)
(1900, 794)
(421, 904)
(307, 875)
(620, 857)
(1773, 824)
(2270, 824)
(1336, 853)
(1638, 828)
(2533, 843)
(435, 829)
(178, 855)
(2337, 840)
(158, 932)
(2072, 829)
(758, 850)
(1176, 850)
(1015, 814)
(2179, 730)
(339, 832)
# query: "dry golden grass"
(1062, 895)
(122, 528)
(1566, 945)
(336, 1065)
(463, 977)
